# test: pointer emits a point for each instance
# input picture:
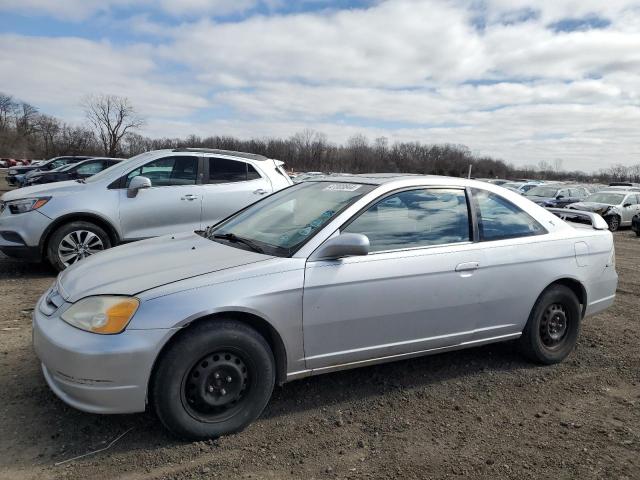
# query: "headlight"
(102, 314)
(26, 204)
(13, 172)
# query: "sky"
(524, 81)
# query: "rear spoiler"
(579, 216)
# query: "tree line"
(113, 123)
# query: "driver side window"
(168, 171)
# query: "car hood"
(590, 206)
(46, 190)
(23, 168)
(136, 267)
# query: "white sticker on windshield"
(342, 187)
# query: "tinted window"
(631, 199)
(415, 218)
(498, 218)
(222, 170)
(168, 171)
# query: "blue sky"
(519, 80)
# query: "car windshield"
(515, 185)
(542, 192)
(118, 166)
(64, 168)
(281, 223)
(608, 198)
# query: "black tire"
(85, 230)
(637, 232)
(614, 223)
(189, 382)
(552, 330)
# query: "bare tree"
(112, 118)
(7, 108)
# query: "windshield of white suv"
(608, 198)
(284, 221)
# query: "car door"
(517, 259)
(172, 204)
(416, 290)
(230, 185)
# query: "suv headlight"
(12, 172)
(26, 204)
(102, 314)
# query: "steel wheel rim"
(554, 326)
(77, 245)
(614, 223)
(215, 387)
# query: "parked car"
(72, 171)
(520, 187)
(155, 193)
(635, 224)
(556, 195)
(48, 165)
(615, 206)
(325, 275)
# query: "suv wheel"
(215, 379)
(74, 241)
(553, 326)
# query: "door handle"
(467, 267)
(260, 191)
(189, 197)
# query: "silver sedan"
(328, 274)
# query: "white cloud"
(55, 73)
(410, 70)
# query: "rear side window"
(499, 219)
(415, 218)
(168, 171)
(222, 170)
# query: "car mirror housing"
(344, 245)
(136, 184)
(558, 197)
(626, 205)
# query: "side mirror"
(137, 183)
(344, 245)
(626, 205)
(558, 197)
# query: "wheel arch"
(262, 326)
(100, 221)
(576, 287)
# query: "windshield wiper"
(232, 237)
(80, 180)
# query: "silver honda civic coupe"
(328, 274)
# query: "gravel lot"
(478, 413)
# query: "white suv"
(151, 194)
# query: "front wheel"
(614, 222)
(552, 330)
(74, 241)
(213, 380)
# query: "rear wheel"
(215, 379)
(552, 330)
(74, 241)
(614, 222)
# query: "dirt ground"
(478, 413)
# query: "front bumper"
(20, 234)
(95, 373)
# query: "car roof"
(216, 151)
(369, 178)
